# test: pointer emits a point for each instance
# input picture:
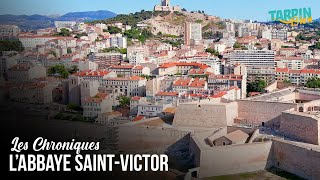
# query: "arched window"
(300, 109)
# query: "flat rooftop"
(273, 96)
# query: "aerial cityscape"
(223, 98)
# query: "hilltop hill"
(165, 22)
(173, 23)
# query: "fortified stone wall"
(256, 112)
(309, 97)
(300, 126)
(298, 159)
(205, 115)
(234, 159)
(143, 139)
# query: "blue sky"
(236, 9)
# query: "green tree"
(58, 69)
(115, 49)
(313, 83)
(124, 101)
(113, 30)
(256, 86)
(212, 51)
(11, 45)
(69, 51)
(74, 107)
(287, 81)
(63, 32)
(146, 76)
(237, 45)
(73, 69)
(80, 35)
(317, 46)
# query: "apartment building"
(291, 62)
(192, 32)
(253, 58)
(34, 41)
(119, 42)
(95, 105)
(189, 85)
(217, 83)
(129, 86)
(86, 83)
(167, 97)
(32, 92)
(105, 60)
(64, 24)
(26, 72)
(130, 70)
(9, 30)
(179, 67)
(296, 77)
(279, 34)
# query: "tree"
(212, 51)
(183, 9)
(64, 32)
(256, 86)
(113, 30)
(73, 69)
(313, 83)
(80, 35)
(115, 49)
(237, 45)
(58, 69)
(145, 76)
(287, 81)
(11, 45)
(69, 51)
(124, 101)
(317, 46)
(74, 107)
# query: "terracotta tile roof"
(219, 94)
(229, 76)
(192, 64)
(138, 118)
(97, 98)
(167, 94)
(182, 82)
(254, 93)
(132, 78)
(303, 71)
(138, 67)
(135, 98)
(92, 73)
(198, 82)
(122, 67)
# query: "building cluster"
(201, 84)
